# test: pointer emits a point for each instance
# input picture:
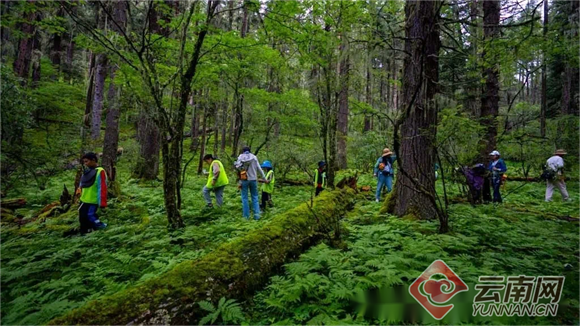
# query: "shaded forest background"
(296, 81)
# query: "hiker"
(248, 167)
(497, 168)
(267, 185)
(320, 178)
(384, 172)
(217, 179)
(93, 191)
(555, 178)
(474, 176)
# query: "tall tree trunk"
(566, 99)
(147, 166)
(343, 112)
(203, 138)
(216, 128)
(490, 96)
(56, 49)
(224, 124)
(368, 93)
(415, 187)
(5, 11)
(22, 63)
(111, 142)
(97, 110)
(544, 102)
(37, 56)
(194, 122)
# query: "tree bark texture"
(415, 187)
(490, 96)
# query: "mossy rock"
(234, 270)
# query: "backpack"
(242, 168)
(548, 174)
(385, 168)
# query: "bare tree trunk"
(147, 166)
(368, 93)
(224, 124)
(111, 142)
(216, 128)
(343, 112)
(415, 187)
(37, 56)
(5, 11)
(100, 75)
(544, 102)
(56, 50)
(490, 98)
(203, 138)
(194, 122)
(566, 100)
(22, 63)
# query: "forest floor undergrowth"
(367, 283)
(45, 274)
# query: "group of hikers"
(479, 178)
(93, 184)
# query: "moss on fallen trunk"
(234, 270)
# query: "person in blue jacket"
(497, 168)
(384, 172)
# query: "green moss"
(388, 206)
(235, 269)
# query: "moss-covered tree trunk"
(234, 270)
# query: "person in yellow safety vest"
(267, 185)
(93, 191)
(320, 177)
(217, 180)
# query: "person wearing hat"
(556, 164)
(217, 180)
(497, 168)
(384, 172)
(320, 178)
(248, 167)
(267, 185)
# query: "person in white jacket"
(556, 164)
(248, 167)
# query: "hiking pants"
(560, 184)
(266, 199)
(219, 195)
(251, 185)
(383, 181)
(88, 218)
(496, 183)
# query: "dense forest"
(154, 88)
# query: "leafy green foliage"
(331, 286)
(228, 312)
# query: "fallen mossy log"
(290, 182)
(234, 270)
(13, 203)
